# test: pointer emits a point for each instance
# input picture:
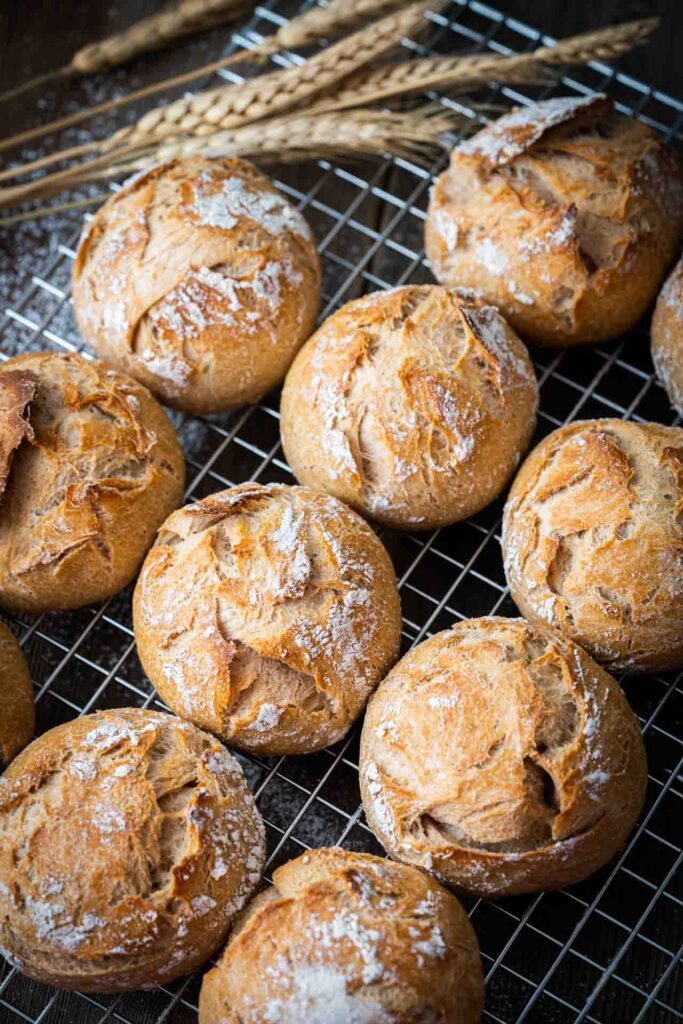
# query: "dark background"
(36, 35)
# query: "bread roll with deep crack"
(593, 541)
(267, 614)
(412, 405)
(90, 466)
(501, 758)
(129, 842)
(200, 280)
(17, 714)
(667, 337)
(563, 214)
(346, 938)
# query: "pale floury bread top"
(563, 214)
(346, 938)
(90, 466)
(17, 716)
(199, 279)
(129, 842)
(502, 758)
(267, 614)
(593, 540)
(667, 337)
(413, 405)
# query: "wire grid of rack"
(606, 950)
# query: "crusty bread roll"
(563, 214)
(593, 541)
(412, 405)
(267, 615)
(17, 714)
(667, 337)
(346, 938)
(90, 466)
(199, 279)
(502, 758)
(129, 842)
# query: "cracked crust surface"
(17, 715)
(412, 405)
(200, 280)
(667, 337)
(563, 214)
(593, 541)
(129, 842)
(501, 758)
(267, 614)
(92, 468)
(348, 937)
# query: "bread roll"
(564, 214)
(129, 842)
(199, 279)
(267, 615)
(412, 405)
(90, 466)
(593, 541)
(667, 337)
(502, 758)
(17, 715)
(346, 938)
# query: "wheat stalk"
(377, 84)
(154, 32)
(235, 105)
(142, 36)
(337, 17)
(232, 105)
(306, 136)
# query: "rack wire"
(606, 950)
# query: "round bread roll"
(267, 615)
(17, 714)
(412, 405)
(129, 842)
(199, 279)
(593, 541)
(346, 938)
(667, 337)
(502, 758)
(563, 214)
(90, 466)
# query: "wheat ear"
(377, 84)
(143, 36)
(339, 16)
(234, 105)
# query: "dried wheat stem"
(340, 16)
(309, 135)
(154, 32)
(376, 84)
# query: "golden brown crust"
(593, 540)
(17, 391)
(502, 758)
(17, 714)
(130, 841)
(97, 469)
(412, 405)
(348, 937)
(563, 214)
(267, 615)
(667, 337)
(200, 280)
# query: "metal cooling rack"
(607, 950)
